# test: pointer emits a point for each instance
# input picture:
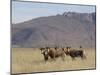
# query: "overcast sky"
(22, 11)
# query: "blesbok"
(45, 53)
(52, 53)
(74, 53)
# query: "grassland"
(26, 60)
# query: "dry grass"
(26, 60)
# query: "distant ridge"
(69, 28)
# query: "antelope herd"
(53, 53)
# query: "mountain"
(69, 28)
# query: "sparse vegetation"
(26, 60)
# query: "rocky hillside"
(70, 28)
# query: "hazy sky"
(22, 11)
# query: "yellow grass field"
(26, 60)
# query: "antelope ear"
(48, 50)
(40, 48)
(68, 49)
(42, 52)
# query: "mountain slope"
(71, 28)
